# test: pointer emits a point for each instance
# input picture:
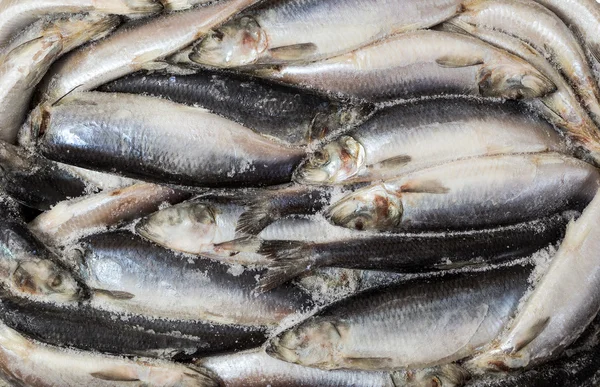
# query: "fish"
(562, 304)
(16, 15)
(23, 67)
(562, 107)
(417, 324)
(88, 327)
(549, 35)
(281, 112)
(98, 180)
(183, 145)
(309, 30)
(470, 194)
(128, 50)
(68, 220)
(412, 136)
(417, 64)
(180, 5)
(168, 285)
(27, 362)
(255, 368)
(410, 252)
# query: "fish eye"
(359, 224)
(24, 280)
(436, 382)
(56, 281)
(218, 35)
(320, 157)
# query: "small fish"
(421, 323)
(412, 136)
(285, 113)
(308, 30)
(471, 193)
(28, 362)
(182, 145)
(562, 304)
(416, 64)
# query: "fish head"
(372, 208)
(313, 343)
(42, 277)
(336, 162)
(239, 42)
(513, 80)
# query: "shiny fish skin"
(257, 369)
(15, 15)
(471, 193)
(412, 136)
(307, 30)
(90, 328)
(548, 34)
(29, 363)
(561, 306)
(282, 112)
(132, 49)
(165, 284)
(420, 63)
(182, 145)
(417, 324)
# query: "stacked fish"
(299, 192)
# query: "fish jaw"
(239, 42)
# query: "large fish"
(308, 30)
(564, 301)
(416, 324)
(412, 136)
(26, 362)
(416, 64)
(282, 112)
(179, 145)
(132, 49)
(471, 193)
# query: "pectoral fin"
(455, 61)
(425, 186)
(114, 294)
(116, 374)
(533, 332)
(293, 52)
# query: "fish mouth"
(310, 175)
(276, 350)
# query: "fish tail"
(76, 32)
(289, 260)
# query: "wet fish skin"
(417, 64)
(91, 328)
(27, 362)
(308, 30)
(132, 49)
(412, 136)
(166, 284)
(410, 252)
(256, 369)
(285, 113)
(467, 194)
(183, 145)
(406, 325)
(562, 304)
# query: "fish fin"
(247, 244)
(141, 61)
(455, 26)
(114, 294)
(425, 186)
(595, 51)
(458, 61)
(367, 362)
(394, 162)
(257, 216)
(289, 260)
(531, 334)
(293, 52)
(116, 374)
(154, 66)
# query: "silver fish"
(309, 30)
(132, 49)
(417, 324)
(412, 136)
(471, 193)
(26, 362)
(419, 63)
(562, 304)
(15, 15)
(548, 34)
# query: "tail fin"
(289, 260)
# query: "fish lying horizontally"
(182, 145)
(420, 63)
(307, 30)
(132, 49)
(417, 324)
(30, 363)
(471, 193)
(562, 304)
(281, 112)
(412, 136)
